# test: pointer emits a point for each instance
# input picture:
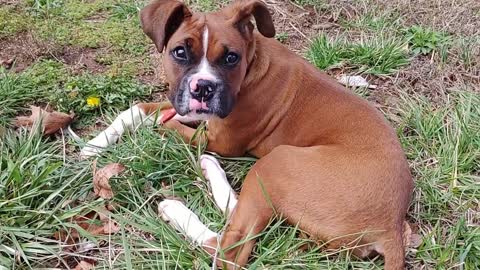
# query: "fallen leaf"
(101, 186)
(410, 239)
(94, 222)
(51, 121)
(7, 63)
(355, 81)
(83, 265)
(415, 240)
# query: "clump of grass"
(314, 3)
(32, 86)
(44, 7)
(374, 20)
(206, 5)
(325, 53)
(115, 92)
(48, 82)
(35, 188)
(469, 52)
(378, 56)
(126, 10)
(443, 146)
(12, 22)
(282, 37)
(424, 40)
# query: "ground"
(424, 57)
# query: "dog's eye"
(231, 58)
(180, 53)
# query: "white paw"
(95, 146)
(185, 221)
(88, 152)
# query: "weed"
(424, 40)
(282, 37)
(112, 92)
(11, 22)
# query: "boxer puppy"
(328, 161)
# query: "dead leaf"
(51, 121)
(83, 265)
(410, 239)
(355, 81)
(94, 222)
(101, 186)
(415, 240)
(7, 63)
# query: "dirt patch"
(80, 59)
(10, 2)
(23, 49)
(455, 17)
(155, 75)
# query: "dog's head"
(206, 55)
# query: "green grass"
(37, 184)
(313, 3)
(375, 20)
(45, 82)
(33, 85)
(377, 55)
(43, 183)
(443, 146)
(11, 22)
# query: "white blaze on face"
(205, 71)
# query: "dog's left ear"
(161, 18)
(242, 12)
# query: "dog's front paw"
(89, 151)
(94, 147)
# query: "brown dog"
(328, 161)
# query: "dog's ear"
(242, 12)
(161, 18)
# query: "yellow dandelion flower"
(93, 101)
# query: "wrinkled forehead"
(211, 30)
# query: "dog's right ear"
(161, 18)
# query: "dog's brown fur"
(328, 161)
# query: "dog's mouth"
(202, 111)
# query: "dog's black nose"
(204, 90)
